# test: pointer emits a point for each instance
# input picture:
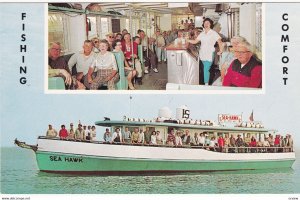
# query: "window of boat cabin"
(92, 27)
(58, 29)
(98, 26)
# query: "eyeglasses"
(55, 49)
(241, 52)
(96, 42)
(110, 37)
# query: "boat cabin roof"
(109, 123)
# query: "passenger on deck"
(63, 133)
(253, 144)
(186, 139)
(207, 140)
(126, 135)
(247, 140)
(51, 132)
(93, 133)
(150, 57)
(246, 70)
(79, 133)
(117, 136)
(232, 144)
(277, 142)
(129, 71)
(57, 65)
(85, 131)
(213, 144)
(152, 138)
(171, 138)
(226, 143)
(103, 70)
(148, 135)
(107, 136)
(289, 143)
(135, 136)
(271, 140)
(208, 38)
(221, 143)
(71, 134)
(83, 60)
(159, 138)
(201, 140)
(178, 140)
(195, 140)
(239, 143)
(141, 139)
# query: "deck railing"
(229, 149)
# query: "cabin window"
(58, 29)
(104, 27)
(92, 27)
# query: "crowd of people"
(231, 144)
(96, 65)
(81, 133)
(178, 138)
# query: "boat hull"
(58, 162)
(79, 157)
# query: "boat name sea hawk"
(66, 159)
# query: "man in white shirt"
(83, 60)
(141, 138)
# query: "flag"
(251, 117)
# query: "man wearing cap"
(51, 132)
(71, 132)
(110, 38)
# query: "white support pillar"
(248, 22)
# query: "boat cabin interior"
(175, 65)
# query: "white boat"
(73, 156)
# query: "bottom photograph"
(164, 145)
(126, 147)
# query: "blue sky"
(26, 110)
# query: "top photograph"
(155, 46)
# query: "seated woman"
(129, 71)
(103, 70)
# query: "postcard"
(164, 99)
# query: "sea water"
(20, 175)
